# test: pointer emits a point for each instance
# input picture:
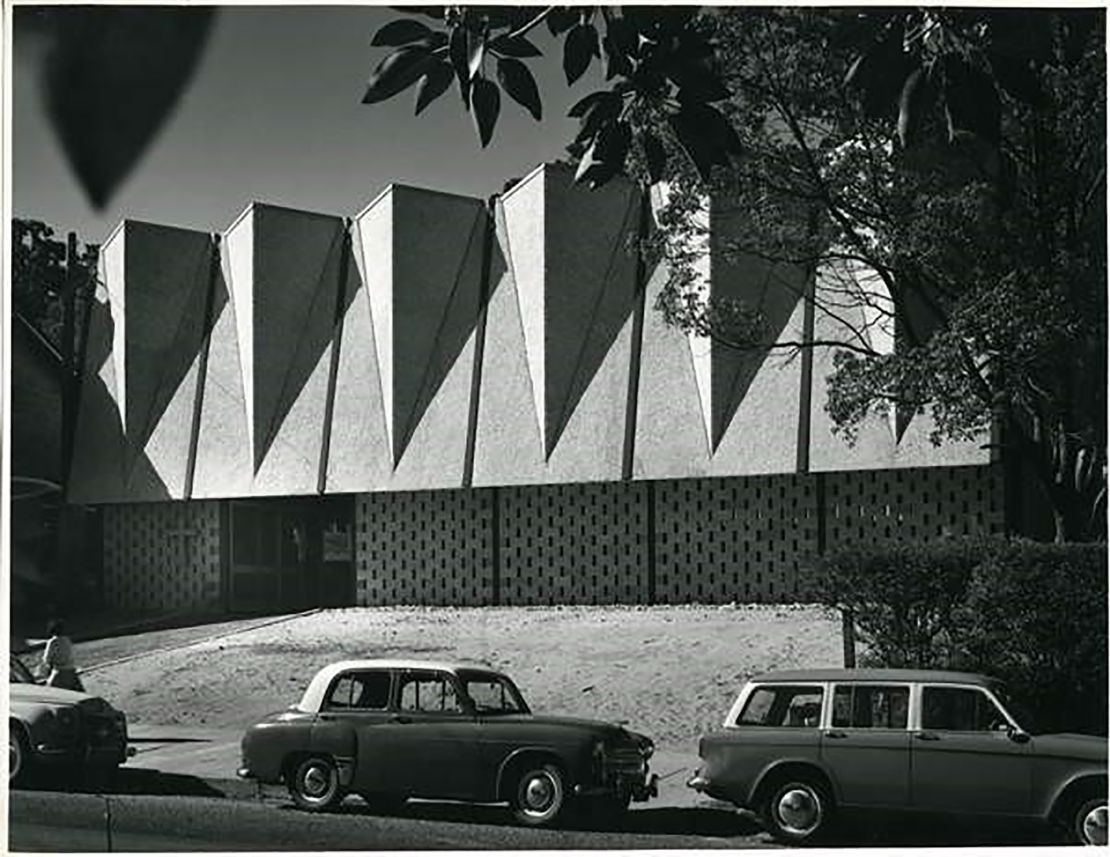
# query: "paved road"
(51, 821)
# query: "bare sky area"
(273, 114)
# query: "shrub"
(1035, 615)
(902, 595)
(1031, 614)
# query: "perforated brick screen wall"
(574, 544)
(424, 547)
(162, 556)
(743, 539)
(916, 503)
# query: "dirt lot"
(668, 671)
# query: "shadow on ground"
(125, 781)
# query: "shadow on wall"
(98, 470)
(456, 324)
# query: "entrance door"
(291, 553)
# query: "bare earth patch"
(670, 672)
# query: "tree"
(943, 170)
(39, 272)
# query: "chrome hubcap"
(1094, 826)
(315, 782)
(799, 810)
(538, 793)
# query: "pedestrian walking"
(57, 658)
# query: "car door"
(963, 758)
(429, 747)
(354, 717)
(866, 746)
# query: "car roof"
(876, 674)
(314, 694)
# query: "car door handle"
(400, 718)
(926, 736)
(835, 733)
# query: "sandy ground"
(670, 672)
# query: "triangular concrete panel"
(167, 276)
(589, 286)
(437, 269)
(295, 288)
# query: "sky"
(273, 114)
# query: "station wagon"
(797, 746)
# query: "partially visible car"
(388, 730)
(798, 746)
(50, 728)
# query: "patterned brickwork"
(915, 503)
(574, 544)
(738, 539)
(162, 556)
(424, 547)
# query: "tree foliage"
(941, 170)
(39, 279)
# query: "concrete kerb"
(223, 635)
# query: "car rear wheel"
(797, 809)
(1089, 822)
(314, 783)
(539, 796)
(19, 759)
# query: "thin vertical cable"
(635, 352)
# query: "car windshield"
(492, 693)
(1018, 710)
(18, 672)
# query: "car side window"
(871, 706)
(361, 691)
(782, 705)
(429, 693)
(960, 709)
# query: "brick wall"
(162, 556)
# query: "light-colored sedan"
(799, 745)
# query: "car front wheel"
(539, 795)
(797, 809)
(18, 757)
(1089, 822)
(314, 783)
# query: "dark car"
(391, 730)
(799, 745)
(51, 728)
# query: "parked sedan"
(54, 728)
(797, 746)
(390, 730)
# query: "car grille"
(101, 725)
(625, 761)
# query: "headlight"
(648, 749)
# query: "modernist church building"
(444, 400)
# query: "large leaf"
(517, 46)
(459, 52)
(706, 136)
(112, 77)
(561, 20)
(605, 157)
(518, 82)
(910, 105)
(397, 72)
(400, 32)
(579, 49)
(584, 105)
(485, 102)
(476, 52)
(433, 84)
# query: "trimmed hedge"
(1032, 614)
